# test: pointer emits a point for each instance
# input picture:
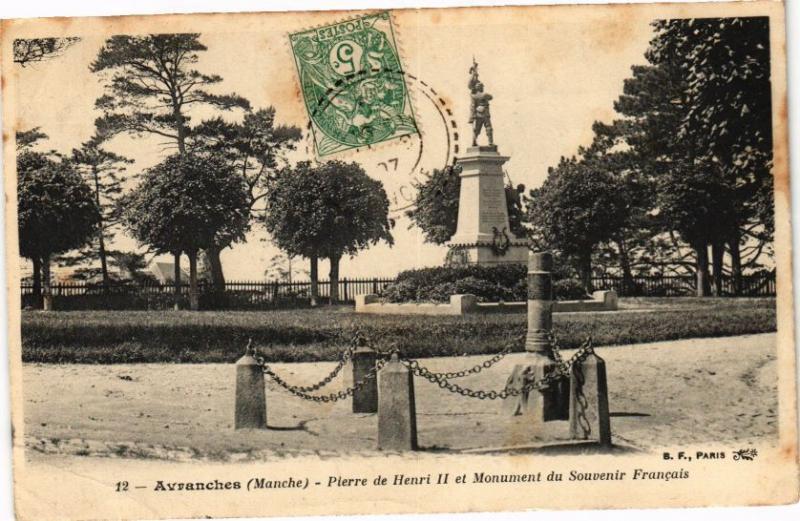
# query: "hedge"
(506, 282)
(314, 335)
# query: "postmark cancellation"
(352, 83)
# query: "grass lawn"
(320, 334)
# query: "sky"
(551, 73)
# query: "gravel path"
(690, 391)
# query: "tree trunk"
(314, 275)
(177, 279)
(217, 276)
(628, 288)
(585, 271)
(717, 253)
(179, 126)
(47, 295)
(194, 300)
(100, 239)
(703, 286)
(736, 261)
(334, 260)
(103, 263)
(37, 283)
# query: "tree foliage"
(326, 211)
(578, 207)
(693, 137)
(104, 172)
(151, 82)
(185, 204)
(34, 50)
(253, 147)
(56, 211)
(435, 209)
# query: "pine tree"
(104, 172)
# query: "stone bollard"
(251, 401)
(551, 403)
(588, 409)
(365, 399)
(397, 416)
(462, 304)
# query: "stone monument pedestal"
(483, 235)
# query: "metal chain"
(556, 347)
(562, 371)
(486, 364)
(357, 340)
(301, 392)
(441, 379)
(346, 356)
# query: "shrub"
(569, 289)
(488, 283)
(506, 282)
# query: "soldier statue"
(479, 115)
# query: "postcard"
(399, 261)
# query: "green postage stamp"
(353, 84)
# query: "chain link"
(486, 364)
(303, 392)
(556, 347)
(346, 356)
(324, 398)
(562, 371)
(440, 379)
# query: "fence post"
(397, 416)
(588, 406)
(251, 400)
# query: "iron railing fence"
(276, 294)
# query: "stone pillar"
(551, 403)
(397, 416)
(251, 401)
(462, 304)
(540, 304)
(588, 407)
(365, 399)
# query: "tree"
(326, 211)
(26, 139)
(151, 84)
(56, 212)
(728, 118)
(103, 171)
(652, 106)
(435, 209)
(696, 203)
(185, 204)
(575, 209)
(253, 148)
(34, 50)
(631, 241)
(131, 265)
(280, 268)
